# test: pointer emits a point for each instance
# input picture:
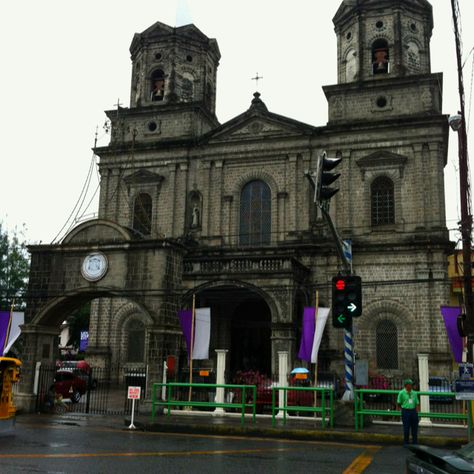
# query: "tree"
(14, 268)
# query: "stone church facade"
(222, 211)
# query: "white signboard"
(134, 393)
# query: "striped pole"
(348, 365)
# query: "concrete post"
(424, 375)
(220, 379)
(282, 378)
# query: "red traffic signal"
(340, 285)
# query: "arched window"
(380, 57)
(255, 214)
(386, 339)
(142, 212)
(157, 92)
(135, 341)
(382, 201)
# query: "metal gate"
(100, 391)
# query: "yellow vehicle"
(9, 374)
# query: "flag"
(312, 333)
(450, 315)
(10, 322)
(202, 331)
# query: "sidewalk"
(306, 429)
(302, 429)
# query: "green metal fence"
(327, 395)
(360, 410)
(244, 404)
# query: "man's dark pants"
(410, 422)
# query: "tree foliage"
(14, 268)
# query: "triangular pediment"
(256, 123)
(380, 159)
(143, 177)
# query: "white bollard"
(220, 379)
(423, 370)
(282, 380)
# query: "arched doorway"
(241, 323)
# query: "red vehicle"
(69, 385)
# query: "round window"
(379, 24)
(158, 56)
(413, 27)
(349, 36)
(152, 126)
(381, 102)
(189, 58)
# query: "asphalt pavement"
(94, 444)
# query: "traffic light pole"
(348, 337)
(321, 180)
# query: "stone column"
(282, 379)
(220, 379)
(424, 375)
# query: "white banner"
(17, 320)
(321, 319)
(202, 333)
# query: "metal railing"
(309, 401)
(360, 409)
(242, 405)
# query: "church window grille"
(380, 57)
(386, 340)
(135, 341)
(255, 214)
(142, 213)
(157, 85)
(382, 201)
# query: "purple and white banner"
(312, 333)
(450, 315)
(10, 323)
(202, 331)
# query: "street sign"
(464, 389)
(466, 371)
(134, 393)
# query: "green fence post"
(153, 403)
(323, 408)
(254, 404)
(469, 420)
(273, 406)
(285, 401)
(168, 386)
(242, 419)
(356, 411)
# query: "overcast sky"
(65, 62)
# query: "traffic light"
(346, 300)
(325, 178)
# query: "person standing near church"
(409, 403)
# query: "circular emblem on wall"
(94, 266)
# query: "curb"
(296, 434)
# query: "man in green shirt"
(409, 403)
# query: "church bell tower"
(173, 86)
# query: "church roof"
(159, 31)
(350, 8)
(258, 122)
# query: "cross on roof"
(256, 79)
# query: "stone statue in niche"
(195, 221)
(194, 210)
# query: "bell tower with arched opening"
(383, 57)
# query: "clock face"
(94, 266)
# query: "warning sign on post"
(134, 393)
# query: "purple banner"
(84, 341)
(450, 315)
(307, 335)
(4, 329)
(185, 319)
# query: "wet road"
(41, 446)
